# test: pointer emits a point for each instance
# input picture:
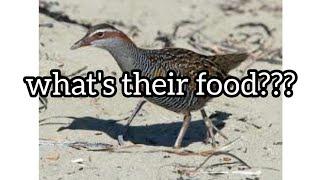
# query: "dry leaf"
(53, 156)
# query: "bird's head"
(103, 36)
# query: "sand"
(255, 122)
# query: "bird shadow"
(163, 134)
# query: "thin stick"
(222, 153)
(77, 71)
(250, 173)
(89, 146)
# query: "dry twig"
(77, 71)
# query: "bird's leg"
(133, 114)
(185, 125)
(210, 126)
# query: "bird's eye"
(100, 34)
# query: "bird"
(156, 63)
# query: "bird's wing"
(184, 63)
(188, 63)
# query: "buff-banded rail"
(156, 63)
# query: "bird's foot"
(211, 139)
(123, 135)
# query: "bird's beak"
(81, 43)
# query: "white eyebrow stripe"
(102, 30)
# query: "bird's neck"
(126, 53)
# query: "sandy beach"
(78, 136)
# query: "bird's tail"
(228, 62)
